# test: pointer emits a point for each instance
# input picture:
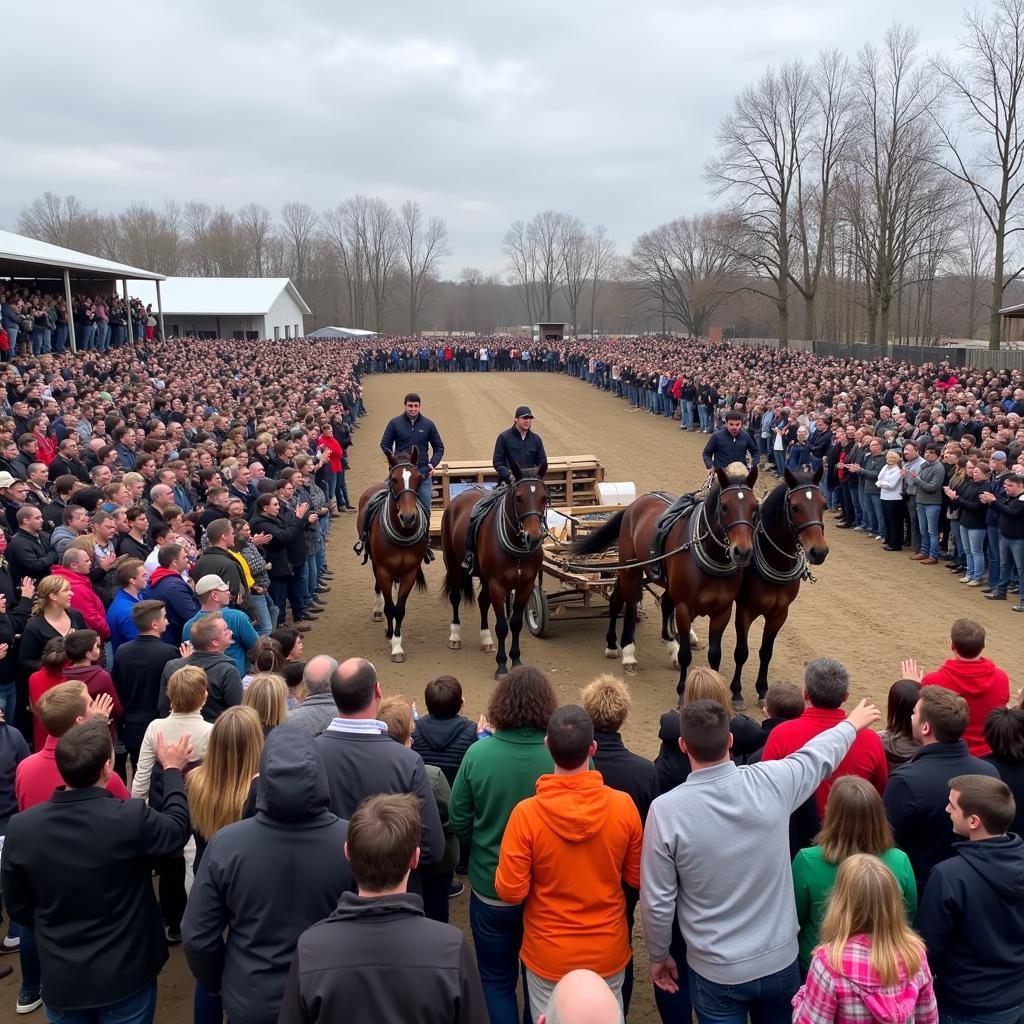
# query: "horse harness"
(798, 570)
(508, 532)
(377, 506)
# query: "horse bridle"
(726, 527)
(392, 482)
(520, 517)
(794, 529)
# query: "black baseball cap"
(524, 410)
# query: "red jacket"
(38, 683)
(37, 777)
(983, 685)
(47, 450)
(866, 757)
(84, 599)
(329, 442)
(97, 680)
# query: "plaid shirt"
(855, 995)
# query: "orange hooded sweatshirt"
(566, 852)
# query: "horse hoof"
(611, 653)
(398, 658)
(739, 704)
(454, 645)
(631, 669)
(695, 645)
(488, 649)
(501, 673)
(377, 616)
(675, 664)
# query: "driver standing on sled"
(520, 444)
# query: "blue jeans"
(283, 590)
(992, 541)
(928, 524)
(424, 493)
(60, 338)
(1013, 1015)
(28, 955)
(497, 936)
(9, 702)
(311, 574)
(704, 415)
(102, 336)
(766, 1000)
(261, 603)
(88, 337)
(1011, 555)
(687, 413)
(206, 1007)
(873, 504)
(974, 544)
(139, 1008)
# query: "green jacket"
(442, 797)
(813, 879)
(495, 775)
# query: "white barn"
(246, 308)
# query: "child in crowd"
(898, 738)
(48, 676)
(443, 735)
(870, 964)
(783, 702)
(84, 650)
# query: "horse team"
(727, 549)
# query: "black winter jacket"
(30, 556)
(138, 674)
(625, 771)
(282, 538)
(266, 880)
(443, 742)
(223, 683)
(971, 918)
(379, 959)
(673, 765)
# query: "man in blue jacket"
(413, 430)
(168, 585)
(730, 444)
(972, 913)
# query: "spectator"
(495, 775)
(981, 683)
(582, 997)
(51, 674)
(214, 595)
(244, 918)
(738, 917)
(965, 499)
(52, 616)
(1007, 505)
(443, 735)
(827, 688)
(317, 709)
(168, 585)
(703, 684)
(131, 582)
(855, 822)
(74, 567)
(1004, 733)
(353, 965)
(83, 650)
(914, 797)
(782, 703)
(972, 910)
(360, 759)
(28, 552)
(898, 738)
(92, 959)
(267, 695)
(211, 638)
(890, 486)
(74, 524)
(218, 561)
(930, 480)
(436, 880)
(290, 641)
(138, 673)
(564, 856)
(284, 582)
(870, 965)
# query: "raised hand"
(863, 715)
(99, 707)
(174, 755)
(910, 670)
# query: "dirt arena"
(868, 608)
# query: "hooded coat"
(564, 855)
(84, 599)
(983, 685)
(266, 880)
(443, 742)
(167, 585)
(855, 993)
(972, 920)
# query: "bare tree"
(422, 248)
(59, 220)
(382, 255)
(602, 263)
(546, 231)
(520, 248)
(299, 224)
(151, 238)
(576, 254)
(256, 226)
(987, 90)
(688, 268)
(760, 145)
(345, 228)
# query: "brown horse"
(700, 571)
(790, 532)
(509, 555)
(396, 541)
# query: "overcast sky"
(484, 112)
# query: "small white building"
(245, 308)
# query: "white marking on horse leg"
(378, 608)
(629, 658)
(611, 652)
(397, 654)
(672, 646)
(486, 641)
(455, 637)
(694, 639)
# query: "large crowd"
(174, 770)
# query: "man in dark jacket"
(211, 637)
(245, 883)
(138, 673)
(1009, 505)
(413, 430)
(284, 580)
(217, 560)
(916, 794)
(362, 760)
(971, 916)
(77, 870)
(377, 957)
(167, 585)
(29, 553)
(443, 735)
(520, 444)
(731, 444)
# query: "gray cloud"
(485, 112)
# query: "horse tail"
(602, 539)
(456, 583)
(421, 580)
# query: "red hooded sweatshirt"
(983, 685)
(97, 680)
(84, 599)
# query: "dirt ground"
(868, 608)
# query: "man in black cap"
(730, 444)
(519, 444)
